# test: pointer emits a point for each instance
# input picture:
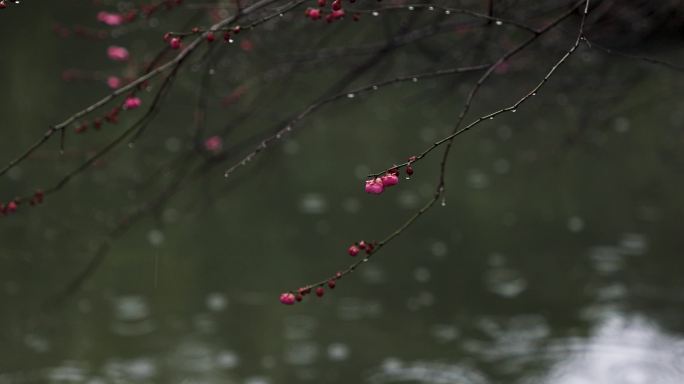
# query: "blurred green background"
(556, 259)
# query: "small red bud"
(353, 250)
(237, 29)
(331, 284)
(210, 37)
(287, 298)
(298, 297)
(321, 3)
(167, 36)
(226, 36)
(320, 291)
(336, 5)
(409, 170)
(175, 43)
(195, 30)
(412, 159)
(11, 207)
(362, 244)
(338, 275)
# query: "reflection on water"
(394, 370)
(621, 350)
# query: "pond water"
(556, 259)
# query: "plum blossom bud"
(113, 82)
(213, 144)
(111, 19)
(375, 186)
(389, 180)
(117, 53)
(175, 43)
(287, 298)
(132, 102)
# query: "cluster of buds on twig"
(335, 13)
(362, 245)
(377, 185)
(289, 298)
(13, 205)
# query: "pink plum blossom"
(287, 298)
(213, 144)
(113, 82)
(389, 180)
(112, 19)
(117, 53)
(374, 187)
(132, 102)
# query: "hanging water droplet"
(288, 129)
(534, 94)
(281, 15)
(443, 201)
(278, 135)
(350, 95)
(415, 79)
(230, 41)
(491, 117)
(499, 22)
(411, 8)
(375, 87)
(408, 177)
(514, 110)
(447, 12)
(431, 8)
(365, 260)
(375, 13)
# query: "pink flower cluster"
(377, 185)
